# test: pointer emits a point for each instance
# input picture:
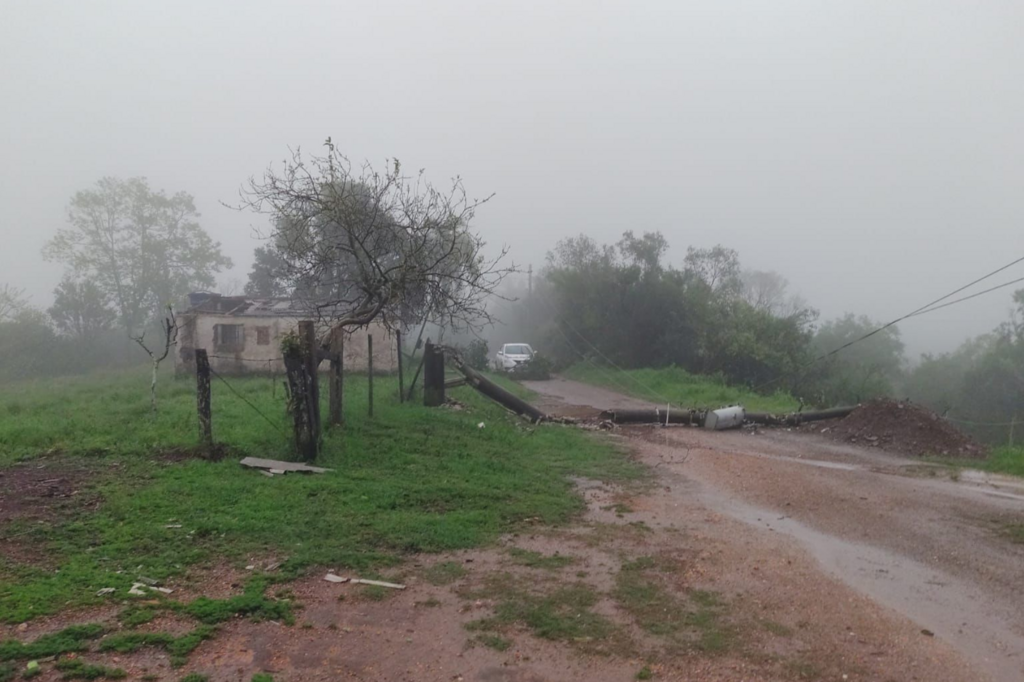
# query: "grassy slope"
(411, 479)
(1001, 460)
(679, 387)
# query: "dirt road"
(929, 550)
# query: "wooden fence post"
(203, 398)
(311, 356)
(433, 376)
(301, 361)
(337, 417)
(401, 378)
(369, 367)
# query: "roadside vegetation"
(679, 387)
(411, 479)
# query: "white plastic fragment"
(331, 578)
(106, 591)
(378, 583)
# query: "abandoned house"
(243, 335)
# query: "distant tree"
(718, 268)
(365, 245)
(141, 248)
(29, 348)
(80, 310)
(867, 369)
(12, 302)
(269, 275)
(644, 252)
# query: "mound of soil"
(905, 428)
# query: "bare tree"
(12, 302)
(169, 328)
(359, 245)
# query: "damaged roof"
(247, 306)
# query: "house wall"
(197, 331)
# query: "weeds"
(69, 640)
(77, 669)
(496, 642)
(695, 621)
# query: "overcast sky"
(871, 152)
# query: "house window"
(262, 336)
(229, 337)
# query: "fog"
(870, 152)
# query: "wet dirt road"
(925, 547)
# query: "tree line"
(623, 305)
(128, 251)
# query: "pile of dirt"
(905, 428)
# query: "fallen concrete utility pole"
(496, 392)
(797, 418)
(655, 415)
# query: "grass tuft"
(69, 640)
(77, 669)
(496, 642)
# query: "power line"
(247, 402)
(920, 311)
(967, 298)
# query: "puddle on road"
(985, 631)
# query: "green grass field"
(411, 479)
(676, 385)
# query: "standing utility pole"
(203, 398)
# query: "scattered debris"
(273, 466)
(139, 589)
(105, 591)
(480, 425)
(378, 583)
(173, 525)
(332, 578)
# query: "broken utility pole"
(433, 375)
(497, 393)
(337, 380)
(203, 398)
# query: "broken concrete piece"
(378, 583)
(139, 589)
(279, 472)
(331, 578)
(276, 466)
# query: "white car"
(511, 354)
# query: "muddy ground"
(768, 555)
